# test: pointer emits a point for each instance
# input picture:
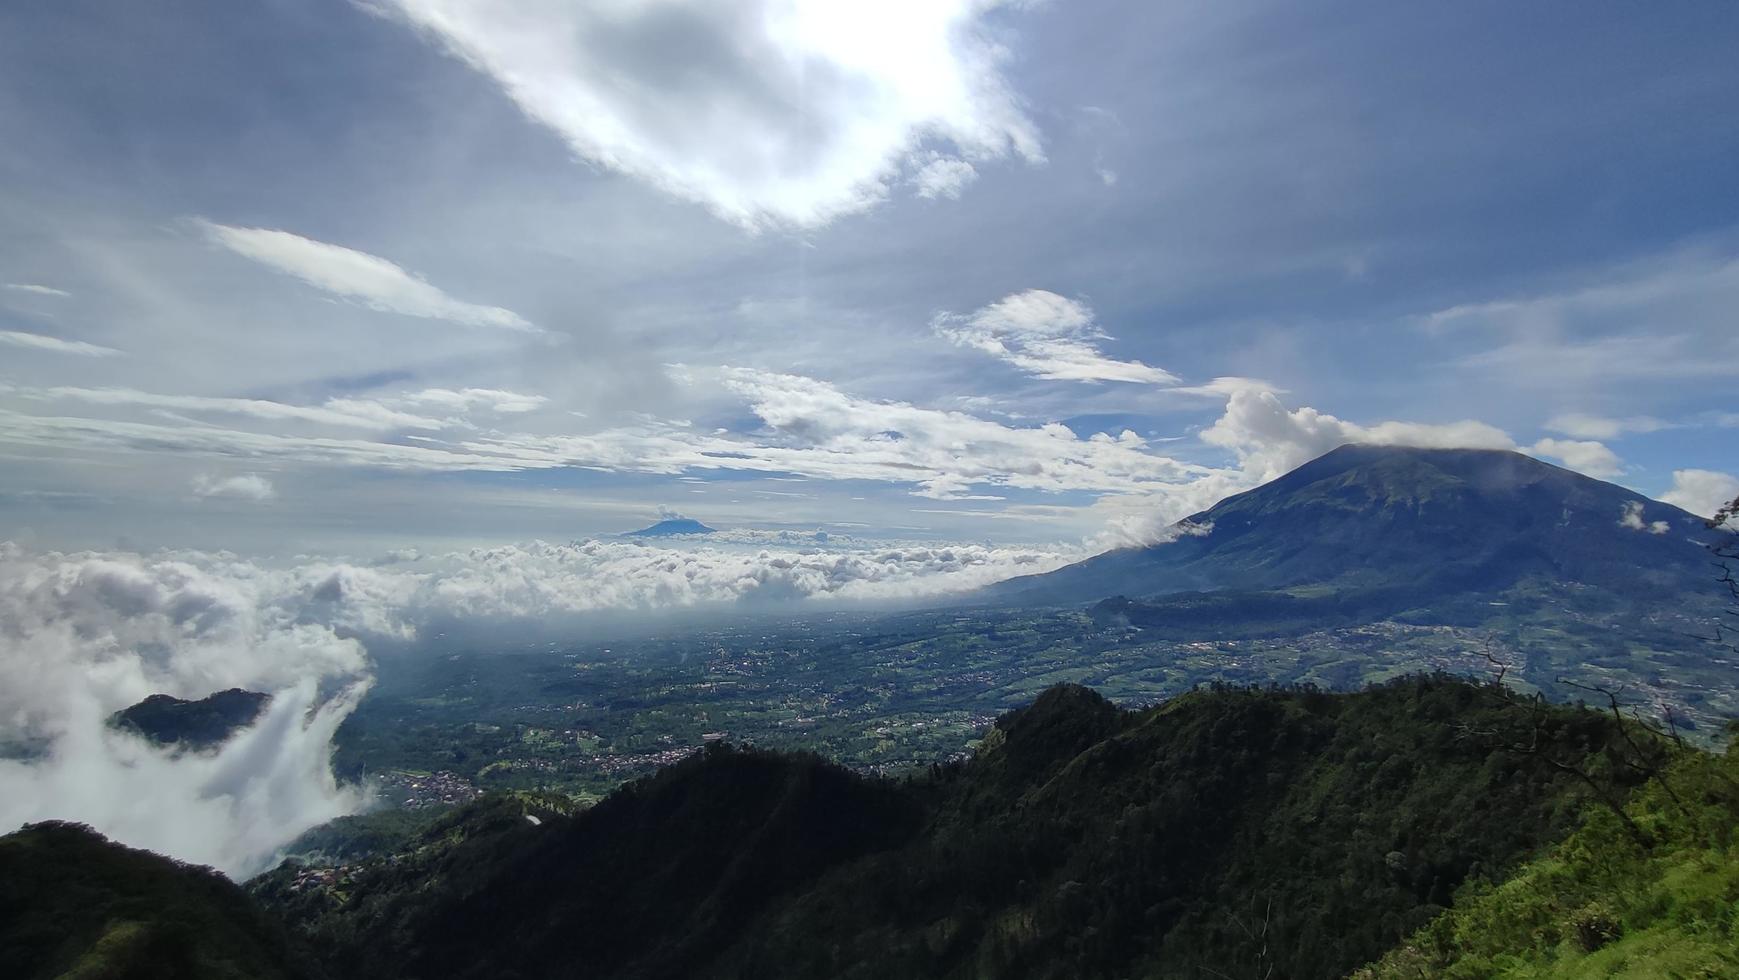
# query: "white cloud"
(539, 579)
(35, 289)
(944, 177)
(369, 279)
(766, 111)
(1047, 336)
(242, 486)
(232, 809)
(84, 635)
(1702, 492)
(1581, 426)
(1586, 457)
(1632, 518)
(36, 341)
(1270, 440)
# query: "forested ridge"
(1427, 824)
(1230, 829)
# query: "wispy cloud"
(351, 413)
(1047, 336)
(35, 289)
(36, 341)
(368, 279)
(1583, 426)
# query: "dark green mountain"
(1381, 529)
(1229, 830)
(200, 724)
(73, 904)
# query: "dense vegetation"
(74, 905)
(200, 724)
(1601, 904)
(1230, 830)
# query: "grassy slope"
(1598, 905)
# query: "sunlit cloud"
(1270, 439)
(1702, 492)
(1584, 456)
(789, 112)
(1047, 336)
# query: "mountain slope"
(1414, 521)
(1082, 841)
(73, 904)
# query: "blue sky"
(334, 276)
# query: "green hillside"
(1601, 905)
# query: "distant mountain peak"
(1429, 523)
(671, 527)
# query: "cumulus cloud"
(358, 276)
(242, 486)
(1269, 440)
(1047, 336)
(774, 112)
(1631, 517)
(1581, 426)
(944, 177)
(1587, 457)
(540, 579)
(84, 635)
(36, 341)
(1702, 492)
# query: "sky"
(321, 320)
(351, 276)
